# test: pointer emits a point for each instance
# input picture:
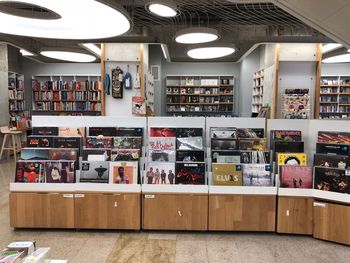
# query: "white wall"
(337, 69)
(4, 112)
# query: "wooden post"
(103, 72)
(318, 81)
(275, 82)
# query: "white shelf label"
(79, 195)
(68, 196)
(319, 204)
(149, 196)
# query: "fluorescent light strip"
(164, 52)
(68, 56)
(93, 48)
(26, 53)
(330, 47)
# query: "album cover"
(223, 133)
(332, 161)
(190, 156)
(68, 142)
(247, 133)
(332, 179)
(228, 159)
(94, 172)
(252, 144)
(160, 173)
(161, 156)
(255, 157)
(222, 144)
(125, 155)
(219, 154)
(35, 153)
(60, 172)
(71, 132)
(189, 132)
(45, 131)
(190, 173)
(329, 148)
(99, 142)
(189, 143)
(291, 159)
(162, 143)
(295, 176)
(162, 132)
(96, 154)
(29, 172)
(257, 175)
(285, 147)
(102, 131)
(129, 132)
(333, 137)
(123, 172)
(63, 154)
(227, 174)
(40, 141)
(128, 142)
(286, 136)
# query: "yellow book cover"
(227, 174)
(291, 159)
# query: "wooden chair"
(11, 142)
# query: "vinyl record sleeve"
(220, 144)
(60, 171)
(189, 156)
(215, 154)
(125, 155)
(94, 172)
(68, 142)
(331, 161)
(250, 133)
(161, 156)
(227, 174)
(99, 142)
(162, 132)
(291, 159)
(255, 157)
(189, 132)
(30, 172)
(295, 176)
(223, 133)
(129, 132)
(257, 175)
(285, 147)
(190, 173)
(285, 135)
(71, 132)
(102, 131)
(330, 148)
(333, 137)
(162, 143)
(45, 131)
(189, 143)
(128, 142)
(123, 172)
(159, 173)
(40, 141)
(35, 153)
(332, 179)
(252, 144)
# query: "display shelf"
(174, 189)
(292, 192)
(332, 196)
(242, 190)
(107, 188)
(44, 187)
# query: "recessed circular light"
(68, 56)
(210, 52)
(345, 58)
(196, 35)
(78, 19)
(162, 8)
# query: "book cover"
(336, 149)
(333, 137)
(162, 143)
(286, 136)
(68, 142)
(123, 172)
(255, 157)
(227, 174)
(222, 154)
(29, 172)
(161, 156)
(102, 131)
(285, 147)
(60, 172)
(189, 156)
(129, 132)
(220, 144)
(252, 144)
(71, 132)
(94, 172)
(190, 173)
(332, 161)
(125, 155)
(162, 132)
(296, 176)
(332, 179)
(189, 143)
(127, 142)
(257, 175)
(189, 132)
(40, 141)
(160, 173)
(35, 153)
(91, 154)
(99, 142)
(291, 159)
(223, 133)
(250, 133)
(45, 131)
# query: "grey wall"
(338, 69)
(4, 112)
(155, 59)
(14, 59)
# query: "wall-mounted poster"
(138, 106)
(117, 83)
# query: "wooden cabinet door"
(295, 215)
(175, 212)
(107, 211)
(41, 210)
(332, 222)
(242, 212)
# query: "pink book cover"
(292, 176)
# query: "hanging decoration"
(117, 83)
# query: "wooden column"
(103, 72)
(275, 82)
(318, 80)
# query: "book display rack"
(258, 91)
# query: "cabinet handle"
(179, 212)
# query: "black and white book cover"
(94, 172)
(189, 143)
(161, 156)
(331, 148)
(255, 157)
(223, 132)
(331, 161)
(35, 153)
(189, 132)
(41, 141)
(159, 173)
(45, 131)
(189, 156)
(125, 155)
(332, 179)
(222, 144)
(190, 173)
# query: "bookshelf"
(334, 97)
(258, 91)
(67, 94)
(200, 94)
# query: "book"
(40, 141)
(162, 143)
(190, 173)
(35, 153)
(250, 133)
(285, 136)
(222, 154)
(102, 131)
(96, 154)
(160, 173)
(45, 131)
(332, 161)
(162, 132)
(161, 156)
(285, 147)
(189, 132)
(189, 143)
(125, 155)
(330, 148)
(99, 142)
(332, 179)
(60, 172)
(189, 156)
(220, 144)
(29, 172)
(127, 142)
(291, 159)
(255, 157)
(252, 144)
(333, 137)
(123, 172)
(227, 174)
(257, 175)
(71, 132)
(94, 172)
(295, 176)
(68, 142)
(223, 133)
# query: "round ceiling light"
(345, 58)
(68, 56)
(78, 19)
(196, 35)
(162, 8)
(210, 52)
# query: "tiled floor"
(112, 246)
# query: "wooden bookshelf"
(70, 95)
(204, 94)
(258, 91)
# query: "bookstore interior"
(187, 122)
